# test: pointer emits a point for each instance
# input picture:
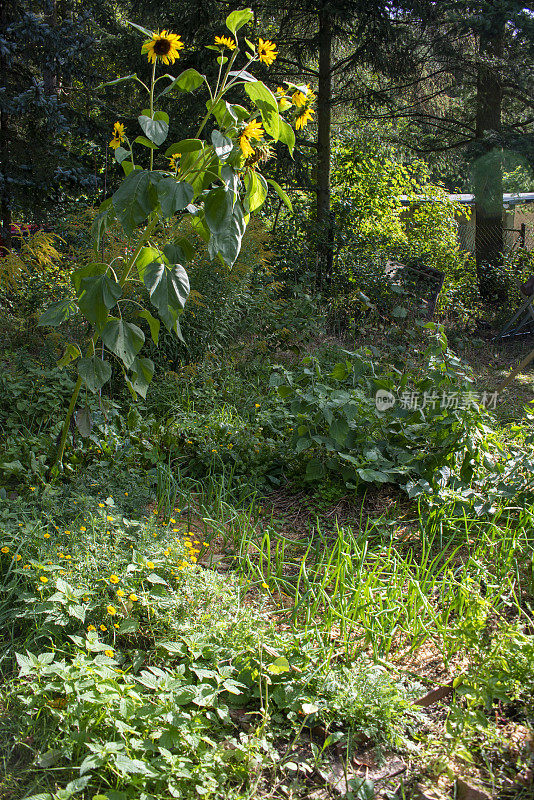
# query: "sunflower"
(225, 41)
(267, 51)
(118, 138)
(172, 162)
(165, 46)
(303, 118)
(252, 131)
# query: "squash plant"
(215, 180)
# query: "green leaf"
(142, 373)
(279, 666)
(94, 372)
(146, 256)
(124, 339)
(58, 313)
(84, 422)
(154, 324)
(185, 146)
(179, 252)
(72, 352)
(400, 312)
(139, 28)
(134, 200)
(168, 288)
(89, 271)
(314, 470)
(228, 243)
(187, 81)
(281, 194)
(156, 130)
(132, 77)
(373, 476)
(237, 19)
(218, 209)
(173, 195)
(120, 154)
(98, 295)
(339, 430)
(286, 135)
(102, 221)
(265, 100)
(145, 142)
(130, 625)
(222, 145)
(256, 191)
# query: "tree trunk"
(487, 172)
(5, 193)
(324, 220)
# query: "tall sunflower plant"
(214, 178)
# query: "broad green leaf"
(129, 625)
(124, 339)
(154, 324)
(237, 19)
(279, 666)
(179, 252)
(286, 134)
(228, 243)
(104, 218)
(94, 372)
(314, 470)
(132, 77)
(173, 195)
(89, 271)
(134, 200)
(187, 81)
(154, 129)
(120, 154)
(84, 422)
(265, 100)
(72, 352)
(185, 146)
(281, 194)
(58, 313)
(256, 191)
(339, 430)
(218, 209)
(142, 373)
(242, 74)
(145, 142)
(222, 145)
(146, 256)
(168, 288)
(98, 295)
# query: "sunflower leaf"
(142, 373)
(134, 199)
(173, 195)
(168, 288)
(155, 129)
(124, 339)
(281, 194)
(237, 19)
(187, 81)
(142, 30)
(265, 100)
(94, 372)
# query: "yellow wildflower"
(164, 45)
(225, 41)
(118, 135)
(150, 564)
(120, 592)
(133, 597)
(267, 51)
(109, 653)
(303, 118)
(114, 579)
(111, 610)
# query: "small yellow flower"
(83, 529)
(109, 653)
(101, 505)
(172, 520)
(133, 597)
(166, 552)
(46, 536)
(214, 451)
(5, 549)
(26, 566)
(111, 610)
(116, 625)
(68, 533)
(164, 46)
(225, 41)
(303, 118)
(267, 51)
(68, 558)
(114, 579)
(257, 405)
(193, 559)
(126, 494)
(265, 585)
(110, 519)
(118, 135)
(91, 628)
(43, 579)
(120, 592)
(150, 564)
(32, 488)
(102, 627)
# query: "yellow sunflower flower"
(252, 131)
(267, 51)
(298, 98)
(165, 46)
(225, 41)
(303, 118)
(118, 135)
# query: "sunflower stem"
(152, 85)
